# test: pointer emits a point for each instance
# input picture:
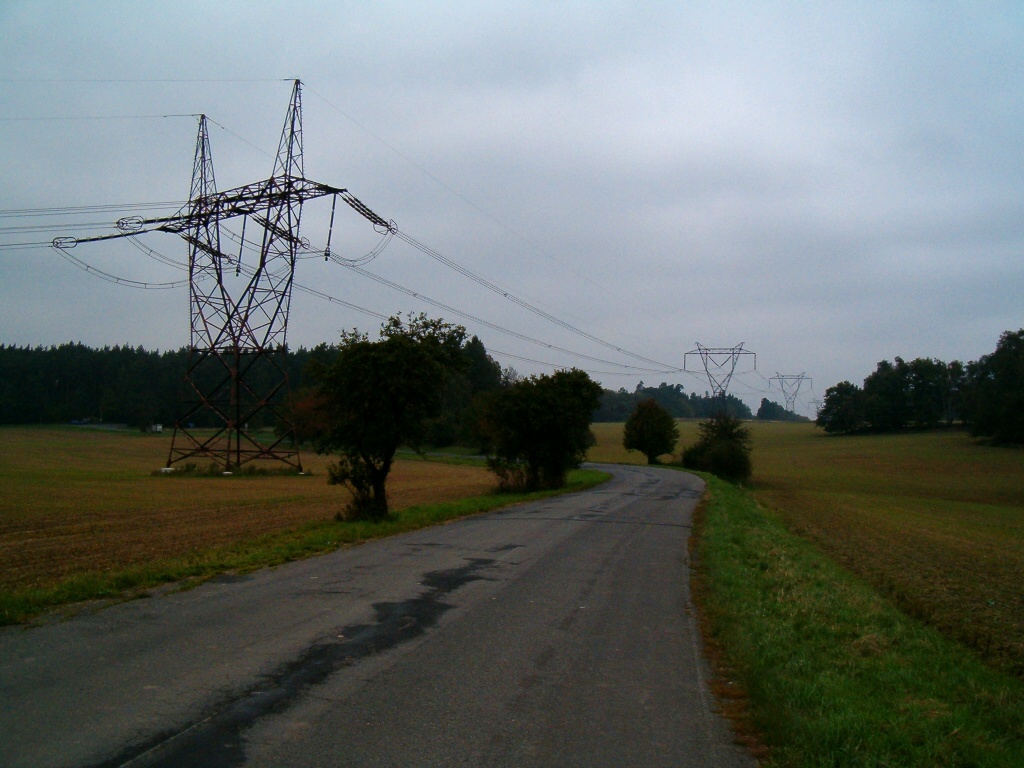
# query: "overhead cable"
(494, 326)
(524, 304)
(114, 278)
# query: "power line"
(557, 366)
(494, 326)
(53, 118)
(391, 230)
(487, 214)
(249, 272)
(145, 80)
(241, 138)
(118, 280)
(80, 209)
(520, 302)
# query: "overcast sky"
(831, 184)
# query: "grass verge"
(21, 604)
(834, 674)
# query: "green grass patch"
(835, 674)
(20, 604)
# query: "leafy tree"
(771, 411)
(723, 448)
(618, 405)
(671, 397)
(378, 395)
(843, 408)
(996, 391)
(306, 414)
(539, 428)
(615, 406)
(928, 384)
(953, 392)
(708, 405)
(478, 374)
(887, 396)
(651, 430)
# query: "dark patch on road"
(685, 493)
(231, 578)
(690, 493)
(505, 548)
(217, 740)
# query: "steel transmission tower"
(790, 386)
(236, 378)
(719, 365)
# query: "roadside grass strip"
(20, 604)
(835, 675)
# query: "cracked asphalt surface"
(556, 633)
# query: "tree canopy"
(723, 448)
(772, 411)
(651, 430)
(842, 409)
(996, 385)
(618, 405)
(129, 385)
(986, 395)
(539, 428)
(378, 395)
(921, 394)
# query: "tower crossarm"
(249, 200)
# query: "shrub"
(539, 428)
(723, 449)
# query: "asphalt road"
(555, 633)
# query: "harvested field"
(934, 521)
(78, 500)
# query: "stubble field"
(84, 501)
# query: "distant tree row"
(772, 411)
(619, 405)
(130, 385)
(73, 382)
(133, 386)
(987, 395)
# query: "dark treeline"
(130, 385)
(986, 395)
(115, 385)
(619, 406)
(772, 411)
(72, 382)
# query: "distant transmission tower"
(790, 386)
(236, 378)
(719, 365)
